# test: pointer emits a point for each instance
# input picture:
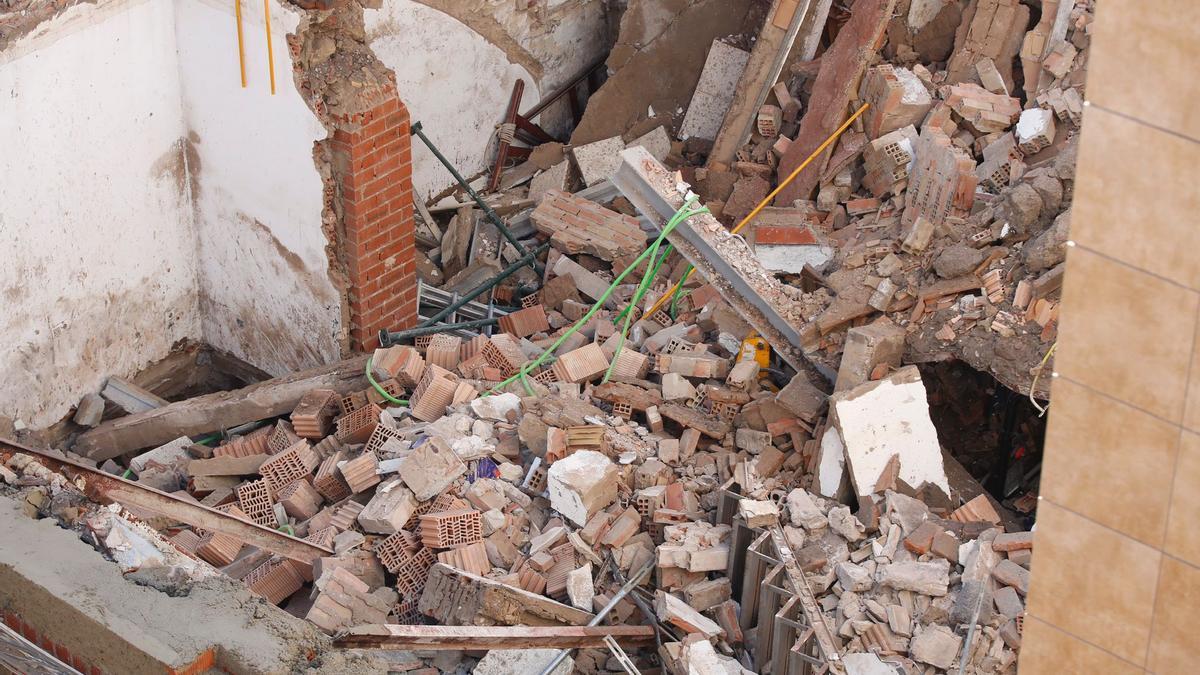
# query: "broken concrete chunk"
(936, 646)
(890, 417)
(866, 664)
(498, 407)
(579, 587)
(804, 512)
(927, 578)
(431, 468)
(522, 662)
(758, 513)
(853, 577)
(390, 508)
(677, 613)
(866, 347)
(582, 484)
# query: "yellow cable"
(767, 200)
(270, 47)
(1033, 385)
(241, 47)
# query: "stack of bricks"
(394, 549)
(451, 529)
(444, 351)
(275, 580)
(372, 152)
(525, 322)
(897, 97)
(433, 394)
(401, 363)
(942, 183)
(886, 161)
(471, 558)
(412, 571)
(503, 351)
(295, 463)
(1000, 159)
(221, 549)
(254, 499)
(631, 364)
(345, 601)
(254, 443)
(186, 541)
(581, 365)
(360, 473)
(356, 427)
(984, 111)
(384, 442)
(577, 225)
(391, 387)
(314, 414)
(328, 480)
(282, 437)
(300, 500)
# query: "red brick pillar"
(373, 168)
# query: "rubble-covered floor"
(466, 488)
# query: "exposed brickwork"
(372, 152)
(60, 651)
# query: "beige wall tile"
(1141, 58)
(1126, 333)
(1109, 462)
(1093, 582)
(1135, 198)
(1046, 650)
(1191, 408)
(1174, 647)
(1183, 537)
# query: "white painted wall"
(265, 292)
(96, 243)
(452, 80)
(458, 84)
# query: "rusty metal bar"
(106, 488)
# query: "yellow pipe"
(241, 46)
(270, 47)
(767, 200)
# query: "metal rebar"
(634, 580)
(491, 214)
(387, 339)
(485, 286)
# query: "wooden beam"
(221, 410)
(479, 638)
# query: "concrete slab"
(714, 91)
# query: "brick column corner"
(372, 152)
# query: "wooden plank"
(130, 397)
(392, 636)
(774, 42)
(222, 410)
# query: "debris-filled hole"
(994, 432)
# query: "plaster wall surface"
(265, 292)
(98, 273)
(456, 62)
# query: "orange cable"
(767, 200)
(241, 46)
(270, 47)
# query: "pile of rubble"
(477, 482)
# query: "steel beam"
(712, 250)
(106, 488)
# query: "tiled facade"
(1116, 568)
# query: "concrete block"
(390, 508)
(866, 347)
(581, 485)
(886, 418)
(598, 161)
(714, 92)
(656, 141)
